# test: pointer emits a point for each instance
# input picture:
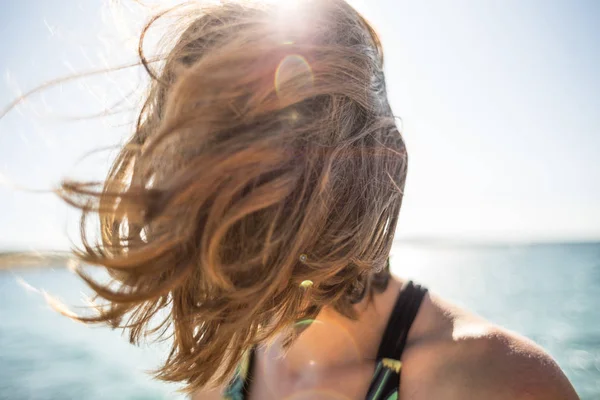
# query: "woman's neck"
(334, 341)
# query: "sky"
(498, 103)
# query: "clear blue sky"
(499, 103)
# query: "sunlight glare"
(293, 69)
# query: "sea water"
(549, 293)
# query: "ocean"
(549, 293)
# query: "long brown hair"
(265, 155)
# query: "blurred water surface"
(549, 293)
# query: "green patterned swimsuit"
(386, 379)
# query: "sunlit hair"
(266, 134)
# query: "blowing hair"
(264, 155)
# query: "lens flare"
(292, 72)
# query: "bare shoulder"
(458, 355)
(502, 365)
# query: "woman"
(251, 215)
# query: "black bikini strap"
(404, 313)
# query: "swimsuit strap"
(386, 379)
(405, 311)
